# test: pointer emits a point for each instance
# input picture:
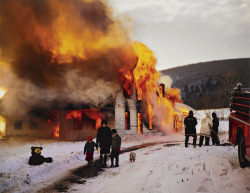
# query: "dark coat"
(89, 146)
(215, 124)
(104, 137)
(190, 123)
(116, 141)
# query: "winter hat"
(190, 113)
(114, 131)
(104, 122)
(90, 138)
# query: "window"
(127, 120)
(77, 123)
(18, 125)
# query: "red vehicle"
(239, 123)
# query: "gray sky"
(182, 32)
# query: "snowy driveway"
(176, 169)
(157, 169)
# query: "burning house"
(65, 67)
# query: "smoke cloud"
(61, 52)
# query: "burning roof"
(53, 50)
(57, 53)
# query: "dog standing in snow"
(132, 156)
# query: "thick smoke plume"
(61, 52)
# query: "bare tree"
(230, 80)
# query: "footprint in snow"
(206, 185)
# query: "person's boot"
(112, 162)
(101, 157)
(105, 160)
(117, 162)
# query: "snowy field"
(157, 169)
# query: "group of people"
(107, 140)
(209, 128)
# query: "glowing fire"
(179, 116)
(81, 37)
(146, 76)
(74, 115)
(139, 123)
(91, 113)
(126, 120)
(146, 79)
(2, 92)
(2, 127)
(56, 131)
(95, 115)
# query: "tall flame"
(146, 77)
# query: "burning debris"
(66, 59)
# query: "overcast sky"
(182, 32)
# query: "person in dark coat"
(116, 145)
(104, 140)
(89, 150)
(215, 129)
(190, 130)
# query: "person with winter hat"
(190, 130)
(104, 140)
(215, 129)
(205, 131)
(89, 150)
(116, 145)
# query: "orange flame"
(95, 115)
(56, 131)
(74, 115)
(126, 120)
(2, 92)
(139, 123)
(146, 77)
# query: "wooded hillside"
(208, 84)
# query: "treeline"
(208, 85)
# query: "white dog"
(132, 156)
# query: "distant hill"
(208, 84)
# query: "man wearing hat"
(104, 140)
(190, 130)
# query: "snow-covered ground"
(157, 168)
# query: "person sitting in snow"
(190, 130)
(116, 145)
(206, 125)
(89, 150)
(104, 140)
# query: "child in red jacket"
(89, 150)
